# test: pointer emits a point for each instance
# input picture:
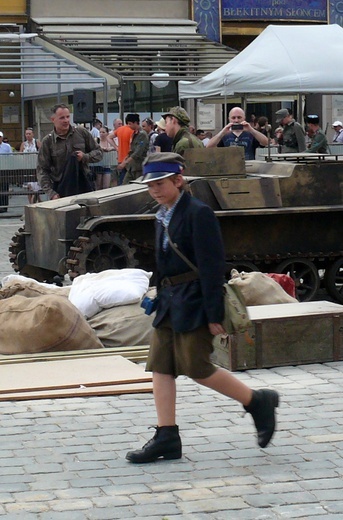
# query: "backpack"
(236, 317)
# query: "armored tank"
(275, 216)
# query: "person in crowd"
(64, 153)
(253, 121)
(139, 145)
(190, 310)
(293, 134)
(31, 145)
(191, 129)
(149, 127)
(238, 132)
(277, 140)
(117, 123)
(177, 127)
(200, 134)
(103, 173)
(5, 148)
(208, 136)
(318, 143)
(262, 125)
(7, 141)
(163, 143)
(203, 136)
(338, 128)
(122, 136)
(95, 131)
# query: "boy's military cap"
(160, 165)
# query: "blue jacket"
(195, 229)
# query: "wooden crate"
(286, 334)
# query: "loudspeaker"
(84, 105)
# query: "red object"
(286, 282)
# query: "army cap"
(160, 165)
(313, 118)
(180, 114)
(281, 114)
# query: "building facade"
(134, 62)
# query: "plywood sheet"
(129, 388)
(70, 373)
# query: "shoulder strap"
(178, 252)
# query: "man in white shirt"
(4, 147)
(96, 130)
(338, 128)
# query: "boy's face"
(166, 191)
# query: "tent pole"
(244, 103)
(300, 114)
(225, 111)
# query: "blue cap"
(160, 165)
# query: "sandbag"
(124, 325)
(259, 289)
(43, 324)
(17, 284)
(92, 292)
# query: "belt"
(179, 278)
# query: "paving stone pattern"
(64, 459)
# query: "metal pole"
(105, 102)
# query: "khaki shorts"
(181, 353)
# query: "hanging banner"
(299, 10)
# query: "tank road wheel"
(304, 274)
(17, 253)
(333, 280)
(98, 252)
(17, 256)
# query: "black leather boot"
(262, 408)
(165, 443)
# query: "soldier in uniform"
(319, 143)
(177, 127)
(293, 135)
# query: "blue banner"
(306, 10)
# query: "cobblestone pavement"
(64, 459)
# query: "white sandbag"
(92, 292)
(18, 280)
(259, 289)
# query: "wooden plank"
(70, 373)
(132, 388)
(133, 353)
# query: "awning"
(137, 49)
(43, 69)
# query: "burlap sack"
(126, 325)
(42, 324)
(259, 289)
(30, 288)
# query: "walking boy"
(190, 310)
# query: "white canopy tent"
(282, 60)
